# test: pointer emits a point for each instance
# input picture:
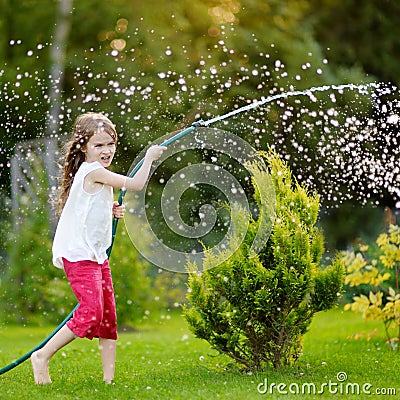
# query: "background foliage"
(196, 36)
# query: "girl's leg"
(40, 359)
(108, 355)
(108, 326)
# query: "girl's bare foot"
(40, 369)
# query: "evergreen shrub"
(256, 309)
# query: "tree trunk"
(57, 59)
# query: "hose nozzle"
(198, 123)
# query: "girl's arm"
(106, 177)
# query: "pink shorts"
(92, 284)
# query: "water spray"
(167, 142)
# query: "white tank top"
(85, 226)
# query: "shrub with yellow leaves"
(383, 301)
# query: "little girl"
(83, 236)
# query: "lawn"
(162, 360)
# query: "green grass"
(163, 360)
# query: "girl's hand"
(155, 152)
(118, 210)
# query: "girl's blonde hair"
(85, 126)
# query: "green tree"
(257, 309)
(357, 34)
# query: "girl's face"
(100, 147)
